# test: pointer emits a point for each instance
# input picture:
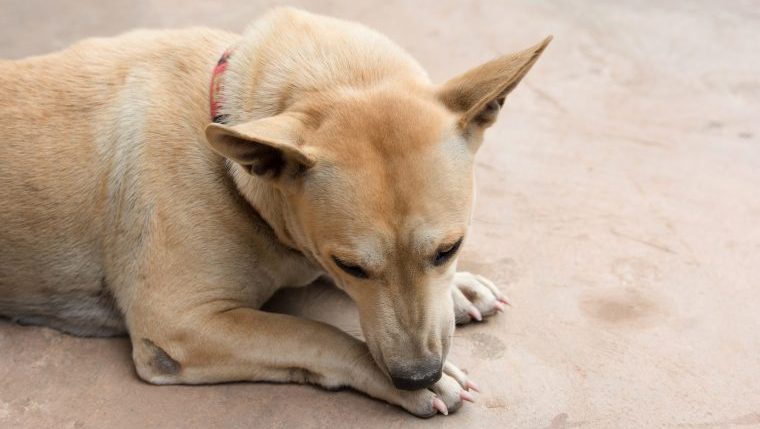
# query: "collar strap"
(215, 97)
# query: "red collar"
(216, 87)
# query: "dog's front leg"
(245, 344)
(475, 297)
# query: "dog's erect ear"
(479, 93)
(269, 147)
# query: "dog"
(150, 188)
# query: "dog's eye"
(353, 270)
(444, 255)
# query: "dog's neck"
(271, 205)
(266, 199)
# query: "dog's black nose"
(418, 379)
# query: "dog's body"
(101, 155)
(120, 216)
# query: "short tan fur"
(125, 210)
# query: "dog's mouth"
(410, 373)
(377, 356)
(410, 354)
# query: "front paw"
(446, 396)
(475, 297)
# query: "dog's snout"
(418, 377)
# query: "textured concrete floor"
(619, 207)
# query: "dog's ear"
(479, 94)
(270, 148)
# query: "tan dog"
(125, 210)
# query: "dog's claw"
(440, 406)
(475, 314)
(470, 385)
(476, 298)
(466, 396)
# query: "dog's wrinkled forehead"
(384, 123)
(390, 149)
(390, 169)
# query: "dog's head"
(377, 186)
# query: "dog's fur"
(125, 210)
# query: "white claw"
(440, 406)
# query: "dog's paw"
(475, 297)
(444, 397)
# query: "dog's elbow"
(154, 365)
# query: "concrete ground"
(619, 208)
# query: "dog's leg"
(475, 297)
(245, 344)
